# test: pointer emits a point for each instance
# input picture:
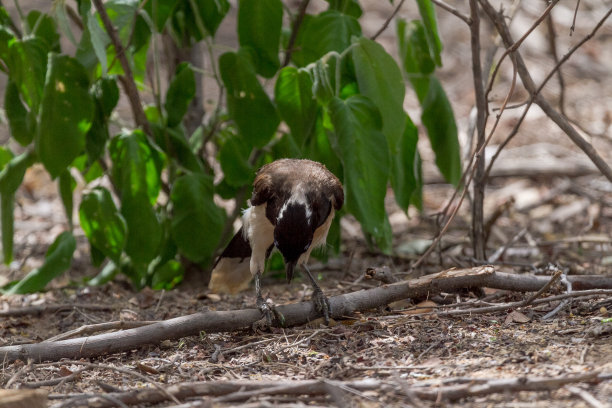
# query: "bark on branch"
(240, 391)
(294, 314)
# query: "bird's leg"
(266, 309)
(262, 305)
(319, 299)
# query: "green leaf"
(415, 56)
(136, 166)
(160, 11)
(102, 223)
(428, 15)
(7, 218)
(66, 187)
(197, 221)
(144, 230)
(319, 147)
(6, 38)
(295, 102)
(5, 157)
(43, 26)
(57, 260)
(349, 7)
(11, 177)
(259, 27)
(18, 116)
(28, 65)
(167, 275)
(106, 95)
(181, 91)
(406, 178)
(61, 16)
(365, 155)
(234, 159)
(212, 13)
(106, 275)
(248, 104)
(175, 145)
(439, 120)
(323, 85)
(66, 114)
(136, 172)
(99, 42)
(320, 34)
(380, 79)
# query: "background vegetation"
(337, 98)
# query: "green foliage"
(339, 101)
(65, 114)
(57, 261)
(419, 58)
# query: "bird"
(291, 209)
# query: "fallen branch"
(294, 314)
(40, 309)
(234, 391)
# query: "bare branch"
(294, 314)
(550, 111)
(445, 6)
(128, 79)
(478, 238)
(387, 21)
(294, 30)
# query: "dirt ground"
(560, 217)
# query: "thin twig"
(128, 79)
(527, 80)
(586, 397)
(295, 28)
(445, 6)
(118, 369)
(387, 21)
(552, 44)
(574, 19)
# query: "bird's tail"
(231, 272)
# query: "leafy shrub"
(339, 94)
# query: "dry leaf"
(64, 371)
(146, 369)
(516, 317)
(425, 306)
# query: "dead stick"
(295, 313)
(34, 310)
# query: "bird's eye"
(306, 247)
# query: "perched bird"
(291, 209)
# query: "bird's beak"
(290, 266)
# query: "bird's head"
(293, 233)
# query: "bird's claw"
(321, 304)
(269, 316)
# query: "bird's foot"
(321, 304)
(270, 316)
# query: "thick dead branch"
(502, 386)
(234, 391)
(294, 314)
